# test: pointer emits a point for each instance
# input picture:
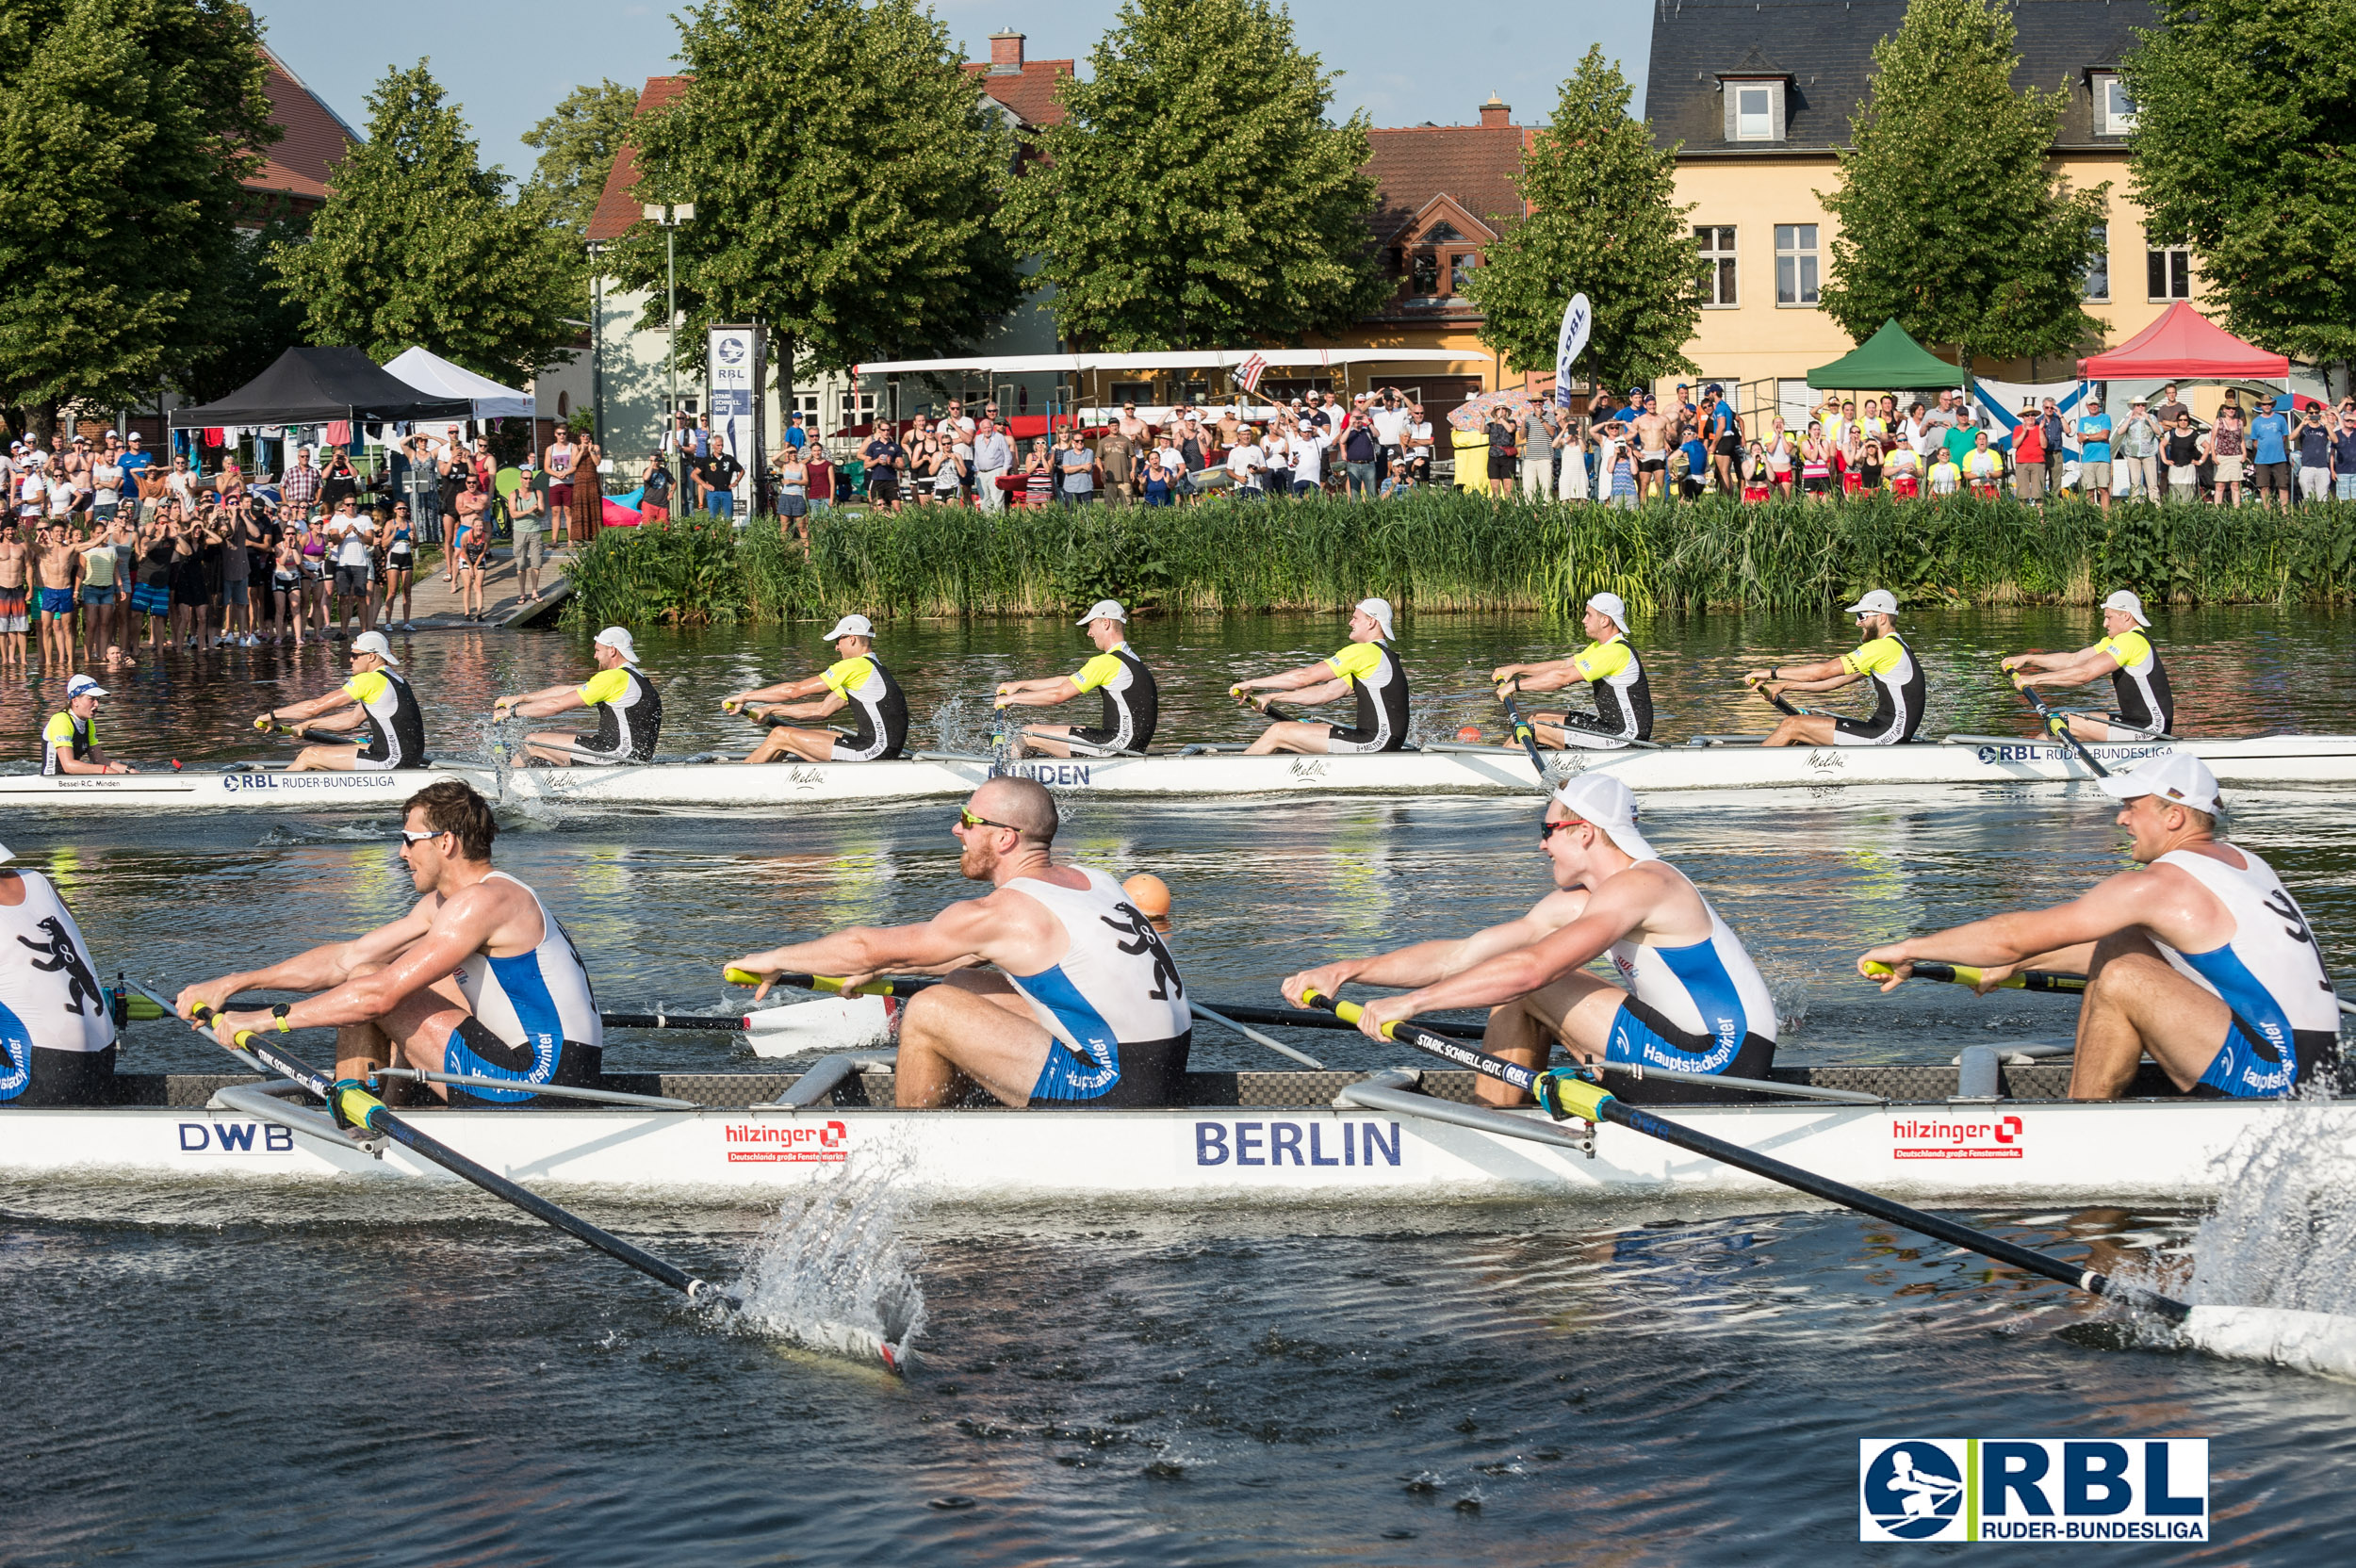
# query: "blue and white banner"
(734, 399)
(1579, 319)
(2048, 1489)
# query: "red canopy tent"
(2184, 345)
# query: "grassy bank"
(1447, 550)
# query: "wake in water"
(834, 1271)
(2284, 1233)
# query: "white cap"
(1602, 799)
(2178, 776)
(1881, 601)
(83, 686)
(1380, 610)
(850, 626)
(373, 642)
(1105, 610)
(1613, 606)
(2126, 602)
(619, 638)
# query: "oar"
(139, 1009)
(352, 1104)
(1522, 733)
(1964, 974)
(1438, 1045)
(890, 985)
(1268, 709)
(2058, 727)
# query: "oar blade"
(2320, 1343)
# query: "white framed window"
(1796, 263)
(2098, 278)
(2114, 111)
(1754, 111)
(806, 404)
(1715, 243)
(2169, 272)
(858, 407)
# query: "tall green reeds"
(1445, 549)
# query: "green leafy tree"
(845, 169)
(577, 144)
(2245, 149)
(1196, 194)
(419, 244)
(258, 321)
(1604, 223)
(1949, 219)
(126, 128)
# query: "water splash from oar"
(834, 1271)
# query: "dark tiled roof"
(1474, 164)
(300, 163)
(1030, 93)
(618, 208)
(1828, 48)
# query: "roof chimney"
(1006, 53)
(1496, 112)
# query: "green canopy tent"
(1889, 361)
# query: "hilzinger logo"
(2032, 1489)
(1939, 1138)
(788, 1143)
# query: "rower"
(377, 692)
(57, 1031)
(629, 712)
(1369, 664)
(2204, 961)
(1088, 1009)
(856, 680)
(1693, 1001)
(2147, 706)
(1131, 702)
(1610, 666)
(1882, 657)
(69, 742)
(477, 979)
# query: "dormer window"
(2114, 111)
(1754, 110)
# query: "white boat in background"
(251, 789)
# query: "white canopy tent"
(433, 374)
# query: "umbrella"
(1510, 403)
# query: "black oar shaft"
(890, 985)
(1522, 731)
(1436, 1044)
(1303, 1017)
(2059, 728)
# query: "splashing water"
(834, 1272)
(2284, 1232)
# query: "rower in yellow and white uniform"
(2147, 705)
(1368, 665)
(1882, 657)
(57, 1031)
(857, 680)
(376, 692)
(1614, 672)
(629, 711)
(1131, 702)
(69, 742)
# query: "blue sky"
(508, 64)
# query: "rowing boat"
(1270, 1137)
(1709, 763)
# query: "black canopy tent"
(314, 386)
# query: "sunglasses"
(967, 819)
(1548, 829)
(409, 837)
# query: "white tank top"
(2271, 971)
(538, 999)
(1707, 987)
(49, 996)
(1116, 984)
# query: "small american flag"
(1247, 374)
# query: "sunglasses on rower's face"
(967, 819)
(1548, 829)
(408, 837)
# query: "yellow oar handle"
(1564, 1095)
(1349, 1012)
(829, 983)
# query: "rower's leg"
(1809, 729)
(325, 760)
(1577, 1010)
(418, 1028)
(972, 1028)
(772, 747)
(2135, 1003)
(1040, 740)
(811, 745)
(551, 745)
(2089, 729)
(1291, 735)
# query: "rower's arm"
(323, 967)
(2071, 669)
(1318, 674)
(1046, 691)
(547, 702)
(1423, 964)
(784, 690)
(833, 702)
(964, 933)
(2007, 944)
(1608, 917)
(464, 926)
(326, 703)
(1551, 676)
(1801, 676)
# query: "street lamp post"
(596, 344)
(670, 216)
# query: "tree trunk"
(40, 423)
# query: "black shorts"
(883, 484)
(65, 1077)
(1652, 465)
(1152, 1075)
(1338, 738)
(1502, 465)
(1865, 732)
(1729, 445)
(578, 1066)
(1816, 484)
(1098, 735)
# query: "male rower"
(69, 742)
(1613, 673)
(2147, 706)
(1132, 703)
(1370, 666)
(477, 979)
(378, 694)
(1086, 1009)
(1693, 1001)
(1882, 657)
(629, 712)
(856, 680)
(57, 1031)
(2203, 960)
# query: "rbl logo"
(2033, 1489)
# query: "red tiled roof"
(301, 163)
(1474, 164)
(1029, 93)
(618, 208)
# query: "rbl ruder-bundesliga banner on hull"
(2033, 1489)
(733, 368)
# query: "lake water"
(319, 1375)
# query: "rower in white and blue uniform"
(57, 1030)
(1690, 998)
(2139, 684)
(1614, 672)
(477, 980)
(1131, 701)
(1087, 1008)
(856, 681)
(2202, 959)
